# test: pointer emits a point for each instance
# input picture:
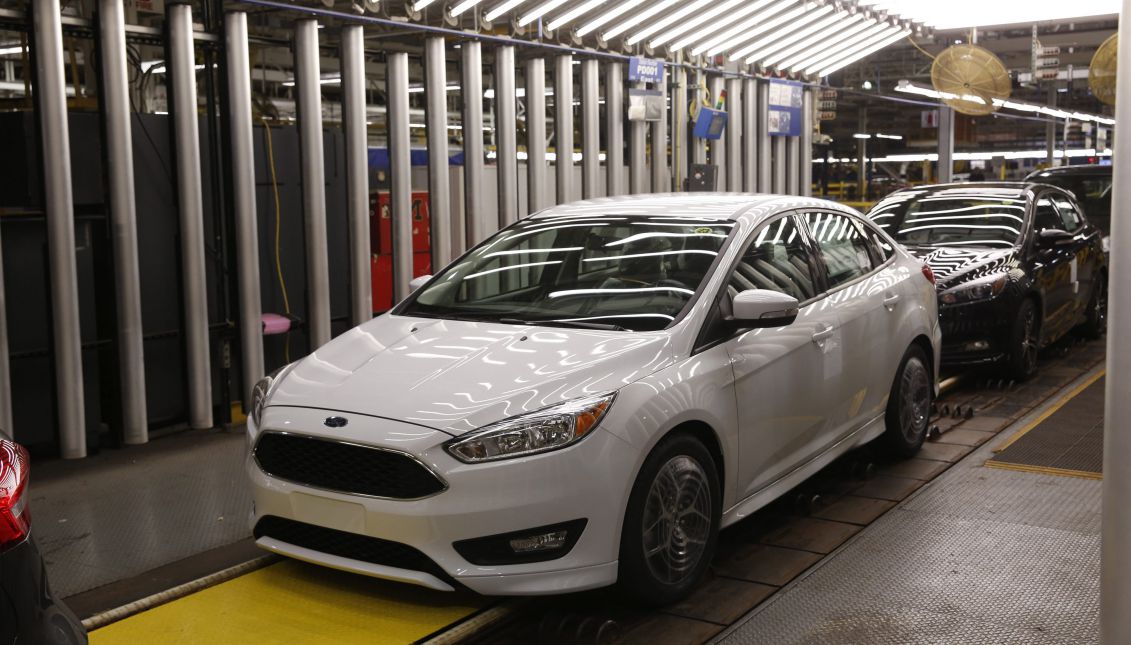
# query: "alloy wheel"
(915, 399)
(677, 519)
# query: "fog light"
(976, 346)
(541, 542)
(535, 544)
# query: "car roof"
(958, 189)
(721, 206)
(1083, 169)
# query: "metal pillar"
(5, 359)
(357, 172)
(614, 133)
(862, 156)
(243, 189)
(182, 74)
(123, 215)
(661, 176)
(778, 185)
(1115, 558)
(506, 135)
(806, 159)
(719, 146)
(436, 117)
(793, 165)
(679, 137)
(637, 157)
(1050, 127)
(699, 146)
(536, 196)
(478, 228)
(590, 128)
(563, 126)
(765, 157)
(308, 82)
(750, 131)
(946, 144)
(734, 134)
(400, 175)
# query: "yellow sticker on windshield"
(703, 230)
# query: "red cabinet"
(381, 244)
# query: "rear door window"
(842, 246)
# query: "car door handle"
(890, 300)
(820, 336)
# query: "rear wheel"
(1095, 324)
(909, 405)
(1025, 342)
(672, 522)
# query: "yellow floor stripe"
(1044, 470)
(1052, 410)
(293, 602)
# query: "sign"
(929, 119)
(649, 70)
(828, 95)
(1045, 63)
(1046, 74)
(785, 108)
(826, 116)
(1047, 51)
(645, 105)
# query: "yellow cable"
(278, 229)
(921, 50)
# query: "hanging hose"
(921, 50)
(278, 234)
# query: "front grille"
(347, 545)
(344, 467)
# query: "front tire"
(909, 405)
(1024, 342)
(1095, 324)
(671, 525)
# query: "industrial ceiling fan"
(971, 79)
(1101, 71)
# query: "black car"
(1090, 184)
(29, 611)
(1017, 267)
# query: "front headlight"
(260, 392)
(982, 289)
(548, 429)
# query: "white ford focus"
(589, 395)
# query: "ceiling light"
(779, 35)
(896, 137)
(686, 25)
(909, 88)
(796, 42)
(876, 46)
(860, 135)
(666, 20)
(725, 20)
(857, 43)
(804, 49)
(821, 51)
(744, 30)
(620, 8)
(638, 18)
(462, 7)
(539, 11)
(501, 9)
(420, 4)
(18, 49)
(573, 13)
(956, 14)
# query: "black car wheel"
(909, 405)
(1025, 342)
(1095, 323)
(672, 522)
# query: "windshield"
(1093, 193)
(952, 220)
(613, 272)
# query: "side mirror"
(763, 308)
(418, 282)
(1051, 238)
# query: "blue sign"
(649, 70)
(785, 108)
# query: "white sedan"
(589, 395)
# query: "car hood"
(457, 376)
(955, 265)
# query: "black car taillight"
(15, 518)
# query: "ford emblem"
(336, 422)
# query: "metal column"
(806, 158)
(5, 359)
(590, 128)
(699, 146)
(506, 135)
(765, 158)
(563, 126)
(123, 215)
(734, 134)
(536, 197)
(679, 125)
(614, 134)
(750, 135)
(308, 82)
(400, 175)
(719, 146)
(357, 172)
(243, 191)
(661, 176)
(436, 117)
(1115, 558)
(778, 165)
(478, 228)
(793, 165)
(182, 74)
(637, 156)
(946, 144)
(1050, 126)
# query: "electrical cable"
(921, 50)
(278, 232)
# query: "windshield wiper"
(578, 324)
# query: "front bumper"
(975, 333)
(587, 480)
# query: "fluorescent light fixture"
(419, 4)
(957, 14)
(580, 9)
(667, 20)
(463, 6)
(860, 135)
(747, 29)
(858, 43)
(694, 21)
(419, 89)
(897, 137)
(638, 18)
(774, 56)
(724, 20)
(910, 88)
(792, 32)
(980, 156)
(876, 46)
(835, 43)
(18, 49)
(325, 80)
(539, 11)
(518, 93)
(501, 9)
(619, 9)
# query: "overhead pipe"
(734, 134)
(308, 82)
(563, 127)
(114, 91)
(478, 228)
(357, 172)
(614, 129)
(590, 128)
(750, 130)
(506, 135)
(400, 162)
(536, 179)
(182, 76)
(661, 175)
(436, 118)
